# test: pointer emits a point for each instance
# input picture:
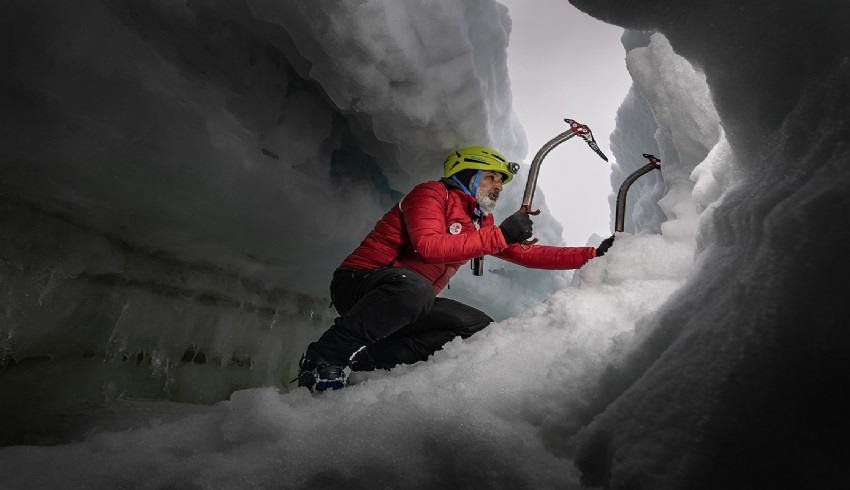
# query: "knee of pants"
(473, 325)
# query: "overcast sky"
(564, 63)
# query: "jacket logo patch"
(455, 228)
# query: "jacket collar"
(471, 202)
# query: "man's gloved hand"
(604, 246)
(516, 228)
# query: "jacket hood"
(450, 183)
(471, 202)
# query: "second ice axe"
(620, 218)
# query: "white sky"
(564, 63)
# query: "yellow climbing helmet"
(479, 158)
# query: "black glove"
(604, 246)
(516, 228)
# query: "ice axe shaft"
(478, 266)
(534, 171)
(576, 129)
(654, 163)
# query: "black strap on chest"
(397, 257)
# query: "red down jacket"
(416, 233)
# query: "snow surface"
(705, 350)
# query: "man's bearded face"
(489, 188)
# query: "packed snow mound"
(493, 411)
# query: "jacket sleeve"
(546, 257)
(424, 211)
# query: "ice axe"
(654, 163)
(576, 129)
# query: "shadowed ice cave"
(179, 180)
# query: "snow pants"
(392, 311)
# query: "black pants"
(393, 311)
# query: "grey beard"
(485, 202)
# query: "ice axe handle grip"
(478, 266)
(526, 209)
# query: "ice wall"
(740, 384)
(195, 126)
(180, 179)
(634, 134)
(668, 113)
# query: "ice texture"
(179, 180)
(706, 349)
(514, 393)
(740, 384)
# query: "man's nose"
(499, 186)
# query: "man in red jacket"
(385, 291)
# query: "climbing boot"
(317, 375)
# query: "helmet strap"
(475, 183)
(462, 187)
